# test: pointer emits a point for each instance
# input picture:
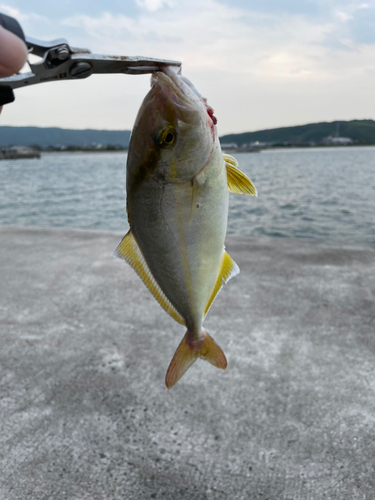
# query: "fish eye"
(169, 138)
(166, 137)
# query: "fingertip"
(13, 53)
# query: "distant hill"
(362, 131)
(29, 136)
(358, 130)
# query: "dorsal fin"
(238, 182)
(228, 269)
(129, 251)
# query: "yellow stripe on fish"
(129, 251)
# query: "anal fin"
(238, 182)
(228, 269)
(129, 251)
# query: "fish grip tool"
(59, 61)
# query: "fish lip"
(178, 88)
(181, 89)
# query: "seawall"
(84, 349)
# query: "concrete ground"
(84, 413)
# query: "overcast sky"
(261, 64)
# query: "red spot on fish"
(210, 112)
(211, 126)
(212, 117)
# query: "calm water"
(310, 194)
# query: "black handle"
(10, 24)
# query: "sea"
(310, 194)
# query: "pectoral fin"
(238, 182)
(129, 251)
(228, 269)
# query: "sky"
(261, 64)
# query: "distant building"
(259, 144)
(232, 147)
(337, 141)
(16, 152)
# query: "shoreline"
(229, 237)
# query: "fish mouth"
(182, 94)
(189, 105)
(175, 87)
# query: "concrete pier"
(84, 412)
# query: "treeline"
(360, 131)
(59, 137)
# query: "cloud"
(362, 25)
(260, 64)
(10, 11)
(294, 7)
(106, 26)
(154, 5)
(22, 17)
(208, 35)
(31, 23)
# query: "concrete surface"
(84, 412)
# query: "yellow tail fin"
(187, 352)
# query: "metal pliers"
(62, 62)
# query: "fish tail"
(187, 353)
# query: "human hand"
(13, 53)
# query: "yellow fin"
(129, 251)
(238, 182)
(228, 269)
(188, 351)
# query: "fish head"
(174, 133)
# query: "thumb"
(13, 53)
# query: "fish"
(177, 186)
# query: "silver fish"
(177, 204)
